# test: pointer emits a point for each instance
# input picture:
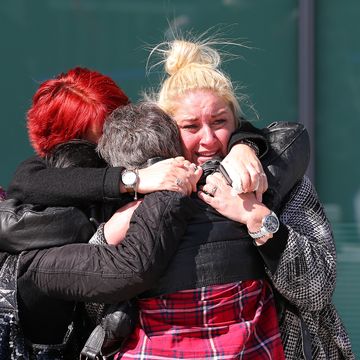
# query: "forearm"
(246, 131)
(113, 273)
(34, 183)
(302, 265)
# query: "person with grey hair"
(138, 132)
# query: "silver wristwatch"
(270, 225)
(130, 179)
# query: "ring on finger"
(178, 182)
(213, 190)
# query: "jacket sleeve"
(34, 183)
(25, 227)
(301, 257)
(112, 273)
(246, 131)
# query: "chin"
(202, 160)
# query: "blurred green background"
(42, 38)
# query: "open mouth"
(202, 157)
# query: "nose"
(208, 136)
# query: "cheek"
(189, 143)
(224, 137)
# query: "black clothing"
(26, 227)
(246, 131)
(109, 273)
(34, 183)
(46, 291)
(13, 342)
(210, 253)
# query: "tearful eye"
(219, 121)
(189, 127)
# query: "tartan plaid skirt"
(232, 321)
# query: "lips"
(204, 156)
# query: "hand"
(245, 170)
(116, 227)
(172, 174)
(244, 208)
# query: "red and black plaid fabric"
(232, 321)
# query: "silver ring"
(213, 190)
(178, 182)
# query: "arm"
(300, 257)
(114, 230)
(284, 163)
(302, 261)
(34, 183)
(246, 131)
(26, 227)
(108, 273)
(247, 144)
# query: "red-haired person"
(74, 105)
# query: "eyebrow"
(220, 112)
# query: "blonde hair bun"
(182, 53)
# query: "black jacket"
(50, 281)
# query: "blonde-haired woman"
(221, 318)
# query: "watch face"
(271, 223)
(129, 178)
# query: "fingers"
(175, 174)
(252, 179)
(215, 183)
(188, 174)
(206, 198)
(210, 189)
(263, 185)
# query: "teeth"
(207, 155)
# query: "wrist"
(130, 181)
(142, 174)
(254, 222)
(262, 240)
(251, 145)
(269, 225)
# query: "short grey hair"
(134, 133)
